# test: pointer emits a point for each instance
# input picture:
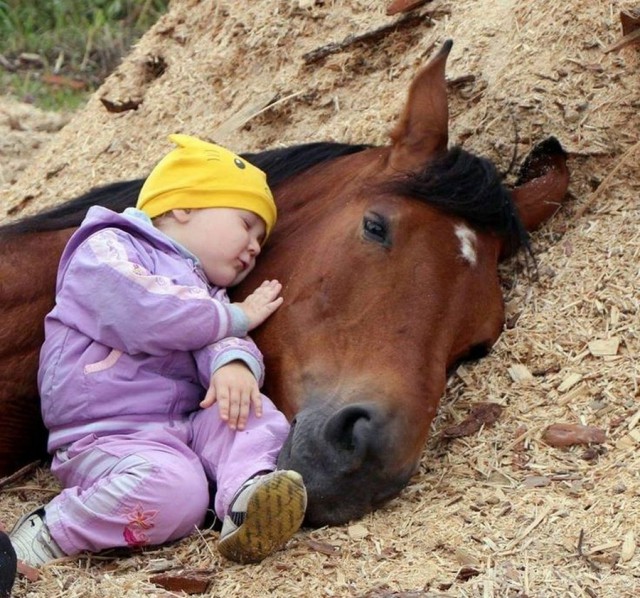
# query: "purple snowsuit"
(129, 350)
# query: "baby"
(148, 380)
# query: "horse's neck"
(28, 265)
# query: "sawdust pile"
(24, 129)
(499, 513)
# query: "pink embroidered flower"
(141, 518)
(135, 539)
(139, 521)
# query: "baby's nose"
(254, 247)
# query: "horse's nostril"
(349, 429)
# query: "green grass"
(79, 40)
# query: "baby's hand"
(235, 388)
(261, 303)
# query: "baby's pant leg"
(126, 491)
(231, 457)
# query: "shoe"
(8, 566)
(32, 541)
(266, 512)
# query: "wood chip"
(481, 414)
(540, 517)
(602, 548)
(628, 547)
(189, 582)
(22, 472)
(398, 6)
(520, 373)
(633, 422)
(117, 106)
(569, 381)
(627, 442)
(466, 559)
(463, 374)
(614, 316)
(322, 547)
(358, 531)
(257, 106)
(630, 21)
(536, 481)
(563, 435)
(576, 393)
(405, 22)
(602, 348)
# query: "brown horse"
(388, 256)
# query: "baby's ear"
(182, 215)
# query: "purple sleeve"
(108, 294)
(215, 355)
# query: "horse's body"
(388, 257)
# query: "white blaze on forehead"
(467, 240)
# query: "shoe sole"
(275, 513)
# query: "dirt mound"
(500, 513)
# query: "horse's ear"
(423, 128)
(542, 183)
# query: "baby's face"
(225, 240)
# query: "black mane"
(468, 186)
(279, 164)
(283, 163)
(459, 183)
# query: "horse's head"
(388, 281)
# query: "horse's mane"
(468, 186)
(283, 163)
(279, 164)
(458, 182)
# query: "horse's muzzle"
(348, 459)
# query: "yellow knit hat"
(198, 174)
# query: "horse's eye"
(376, 229)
